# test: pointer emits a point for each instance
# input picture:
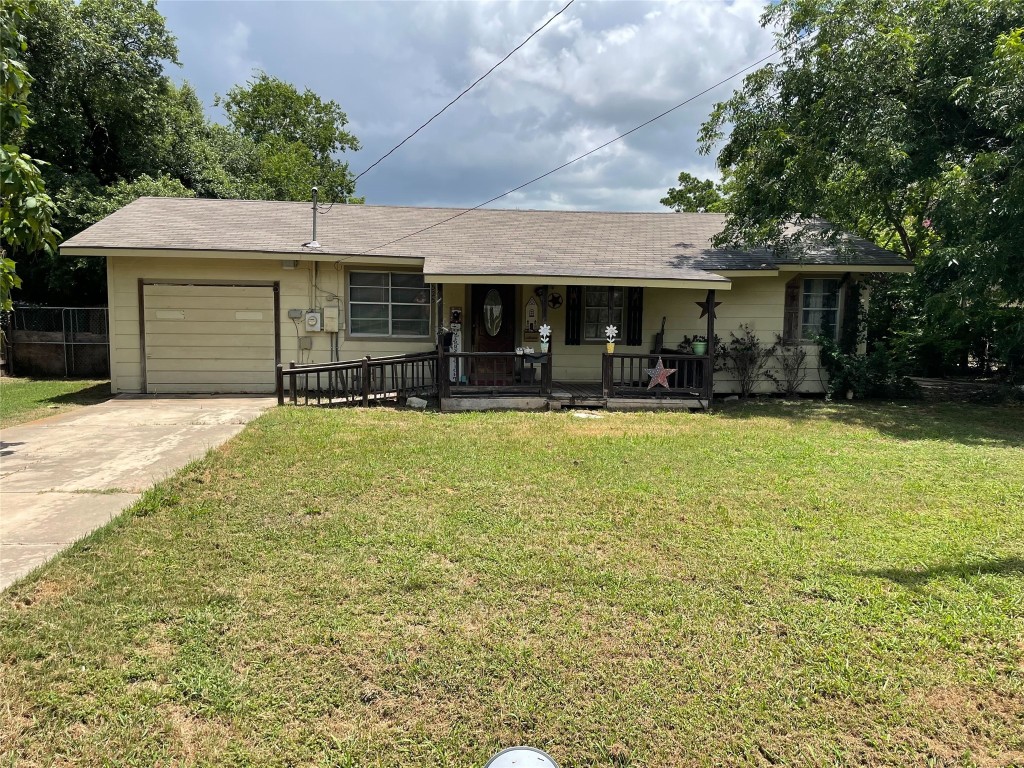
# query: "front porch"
(478, 381)
(485, 381)
(496, 357)
(503, 371)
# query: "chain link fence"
(57, 341)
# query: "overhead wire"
(584, 155)
(466, 90)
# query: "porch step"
(651, 404)
(494, 404)
(457, 404)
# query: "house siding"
(756, 301)
(297, 291)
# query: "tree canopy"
(111, 125)
(26, 211)
(901, 122)
(297, 136)
(695, 195)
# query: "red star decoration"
(706, 308)
(659, 375)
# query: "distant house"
(210, 295)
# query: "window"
(819, 314)
(603, 307)
(388, 304)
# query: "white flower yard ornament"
(545, 332)
(610, 333)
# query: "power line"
(585, 154)
(464, 92)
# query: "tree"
(113, 126)
(103, 112)
(902, 123)
(26, 211)
(297, 136)
(695, 195)
(101, 105)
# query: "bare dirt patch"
(195, 737)
(987, 725)
(50, 590)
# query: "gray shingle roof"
(675, 246)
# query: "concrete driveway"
(64, 476)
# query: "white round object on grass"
(521, 757)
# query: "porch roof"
(455, 245)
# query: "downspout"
(711, 347)
(338, 287)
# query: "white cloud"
(234, 49)
(596, 71)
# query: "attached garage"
(209, 338)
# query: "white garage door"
(209, 338)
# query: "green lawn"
(804, 584)
(27, 399)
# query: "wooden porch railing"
(625, 375)
(359, 382)
(495, 373)
(396, 378)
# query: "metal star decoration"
(706, 308)
(659, 375)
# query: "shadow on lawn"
(1005, 566)
(948, 422)
(88, 396)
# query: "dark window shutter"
(849, 320)
(635, 317)
(791, 314)
(573, 315)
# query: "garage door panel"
(249, 366)
(178, 340)
(211, 315)
(165, 292)
(235, 379)
(231, 327)
(220, 388)
(203, 302)
(161, 352)
(203, 338)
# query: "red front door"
(494, 330)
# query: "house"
(211, 295)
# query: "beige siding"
(758, 301)
(297, 291)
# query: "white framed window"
(395, 304)
(603, 306)
(819, 308)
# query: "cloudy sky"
(598, 70)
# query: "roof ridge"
(388, 206)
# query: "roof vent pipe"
(313, 243)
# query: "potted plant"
(610, 333)
(545, 337)
(700, 345)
